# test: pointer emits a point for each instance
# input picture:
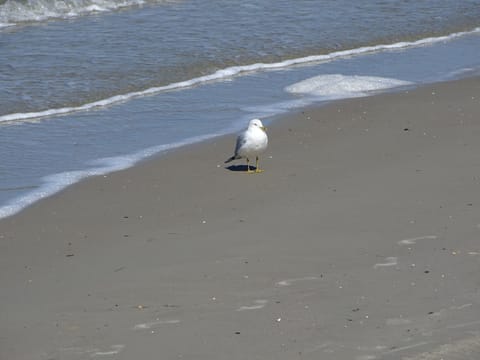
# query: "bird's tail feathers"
(234, 157)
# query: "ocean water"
(88, 87)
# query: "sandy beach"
(359, 241)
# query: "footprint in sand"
(115, 349)
(151, 324)
(257, 304)
(389, 261)
(414, 240)
(289, 282)
(92, 353)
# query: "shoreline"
(359, 241)
(86, 174)
(74, 154)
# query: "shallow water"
(57, 64)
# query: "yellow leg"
(257, 169)
(248, 167)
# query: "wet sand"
(359, 241)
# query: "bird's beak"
(264, 128)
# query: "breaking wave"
(14, 12)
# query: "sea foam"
(13, 12)
(336, 86)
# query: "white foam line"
(230, 72)
(149, 325)
(413, 241)
(57, 182)
(390, 261)
(259, 304)
(289, 282)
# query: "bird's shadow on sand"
(240, 168)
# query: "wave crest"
(13, 12)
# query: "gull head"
(256, 123)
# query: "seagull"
(252, 142)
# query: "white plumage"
(251, 143)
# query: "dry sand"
(359, 241)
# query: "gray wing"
(241, 140)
